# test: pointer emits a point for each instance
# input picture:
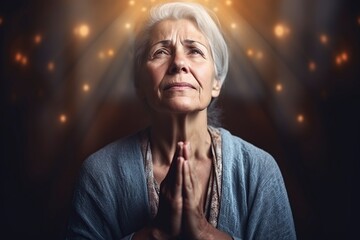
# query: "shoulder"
(247, 160)
(249, 154)
(114, 157)
(255, 192)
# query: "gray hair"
(205, 20)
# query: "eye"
(161, 52)
(196, 51)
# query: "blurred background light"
(67, 90)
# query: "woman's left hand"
(195, 224)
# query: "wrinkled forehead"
(176, 30)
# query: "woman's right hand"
(167, 223)
(169, 217)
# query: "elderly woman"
(180, 178)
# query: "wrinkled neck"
(168, 130)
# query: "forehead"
(176, 30)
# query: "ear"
(216, 88)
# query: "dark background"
(41, 156)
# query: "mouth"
(178, 86)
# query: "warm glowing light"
(281, 31)
(341, 58)
(51, 66)
(127, 25)
(143, 9)
(300, 118)
(324, 39)
(344, 56)
(279, 87)
(131, 3)
(338, 60)
(62, 118)
(101, 55)
(312, 66)
(1, 20)
(110, 52)
(228, 3)
(250, 52)
(24, 60)
(18, 57)
(216, 9)
(259, 55)
(37, 38)
(82, 30)
(86, 87)
(233, 25)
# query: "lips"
(179, 85)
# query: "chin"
(179, 105)
(184, 107)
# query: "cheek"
(155, 72)
(205, 74)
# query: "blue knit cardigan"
(111, 199)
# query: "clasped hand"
(181, 202)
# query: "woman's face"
(179, 74)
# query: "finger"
(179, 153)
(186, 150)
(187, 183)
(180, 149)
(179, 177)
(187, 153)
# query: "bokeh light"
(21, 58)
(110, 52)
(324, 39)
(51, 66)
(279, 87)
(101, 55)
(18, 57)
(228, 3)
(63, 118)
(341, 58)
(281, 31)
(38, 38)
(86, 87)
(259, 55)
(312, 66)
(300, 118)
(82, 30)
(250, 52)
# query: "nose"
(178, 64)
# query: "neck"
(168, 130)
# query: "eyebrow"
(186, 41)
